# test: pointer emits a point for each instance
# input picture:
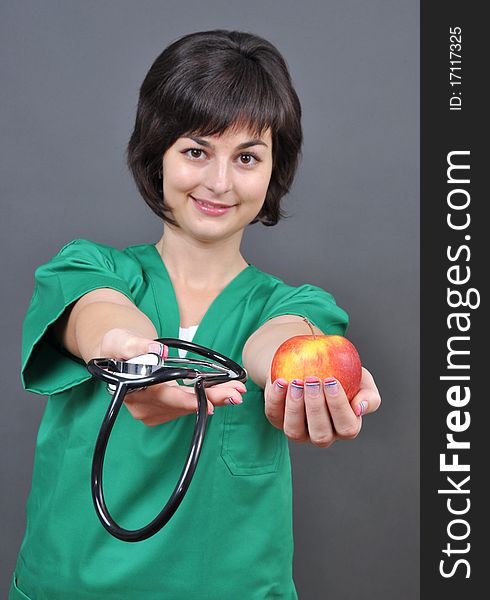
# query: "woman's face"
(216, 185)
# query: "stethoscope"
(140, 372)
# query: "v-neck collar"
(167, 305)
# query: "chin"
(215, 234)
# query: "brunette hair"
(203, 84)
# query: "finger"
(163, 396)
(153, 412)
(184, 400)
(224, 395)
(158, 348)
(220, 395)
(318, 419)
(177, 397)
(161, 403)
(237, 385)
(275, 400)
(367, 400)
(345, 423)
(168, 401)
(122, 344)
(294, 412)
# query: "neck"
(200, 265)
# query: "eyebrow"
(241, 146)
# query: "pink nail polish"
(233, 401)
(331, 387)
(361, 407)
(158, 348)
(312, 387)
(280, 384)
(297, 389)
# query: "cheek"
(255, 189)
(179, 177)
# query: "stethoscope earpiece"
(124, 377)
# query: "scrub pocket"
(15, 593)
(251, 445)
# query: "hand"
(123, 345)
(317, 412)
(165, 401)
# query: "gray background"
(69, 80)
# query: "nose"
(218, 177)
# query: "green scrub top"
(232, 534)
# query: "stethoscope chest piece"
(123, 377)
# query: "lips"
(213, 209)
(211, 204)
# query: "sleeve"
(309, 301)
(79, 267)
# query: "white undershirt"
(186, 333)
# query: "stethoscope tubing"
(98, 368)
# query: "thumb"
(158, 348)
(123, 344)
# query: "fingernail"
(158, 348)
(312, 385)
(233, 401)
(331, 386)
(280, 384)
(361, 407)
(296, 389)
(211, 411)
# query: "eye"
(194, 153)
(248, 159)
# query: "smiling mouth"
(211, 204)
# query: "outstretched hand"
(164, 401)
(318, 411)
(167, 401)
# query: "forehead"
(235, 136)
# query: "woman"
(215, 148)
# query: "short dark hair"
(203, 84)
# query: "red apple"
(321, 356)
